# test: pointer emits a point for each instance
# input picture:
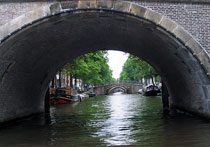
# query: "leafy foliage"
(91, 68)
(135, 69)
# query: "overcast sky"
(116, 61)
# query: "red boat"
(60, 100)
(62, 96)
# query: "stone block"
(198, 91)
(3, 66)
(206, 108)
(55, 8)
(8, 54)
(199, 104)
(153, 16)
(13, 25)
(206, 89)
(194, 46)
(82, 4)
(168, 24)
(122, 6)
(184, 53)
(138, 10)
(205, 60)
(3, 31)
(201, 77)
(193, 64)
(180, 33)
(93, 4)
(33, 15)
(208, 105)
(108, 4)
(69, 4)
(18, 23)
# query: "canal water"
(114, 120)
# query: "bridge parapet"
(127, 87)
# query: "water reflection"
(118, 128)
(114, 120)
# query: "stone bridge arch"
(112, 88)
(35, 45)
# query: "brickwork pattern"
(195, 18)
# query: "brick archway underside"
(30, 57)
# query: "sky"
(116, 62)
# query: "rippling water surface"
(114, 120)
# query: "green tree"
(136, 69)
(91, 68)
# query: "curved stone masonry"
(110, 90)
(132, 11)
(128, 7)
(129, 88)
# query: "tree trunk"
(83, 86)
(71, 81)
(153, 83)
(59, 80)
(146, 81)
(75, 76)
(53, 83)
(67, 76)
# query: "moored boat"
(151, 90)
(91, 94)
(63, 96)
(140, 91)
(84, 95)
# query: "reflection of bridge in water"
(129, 88)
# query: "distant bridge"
(129, 88)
